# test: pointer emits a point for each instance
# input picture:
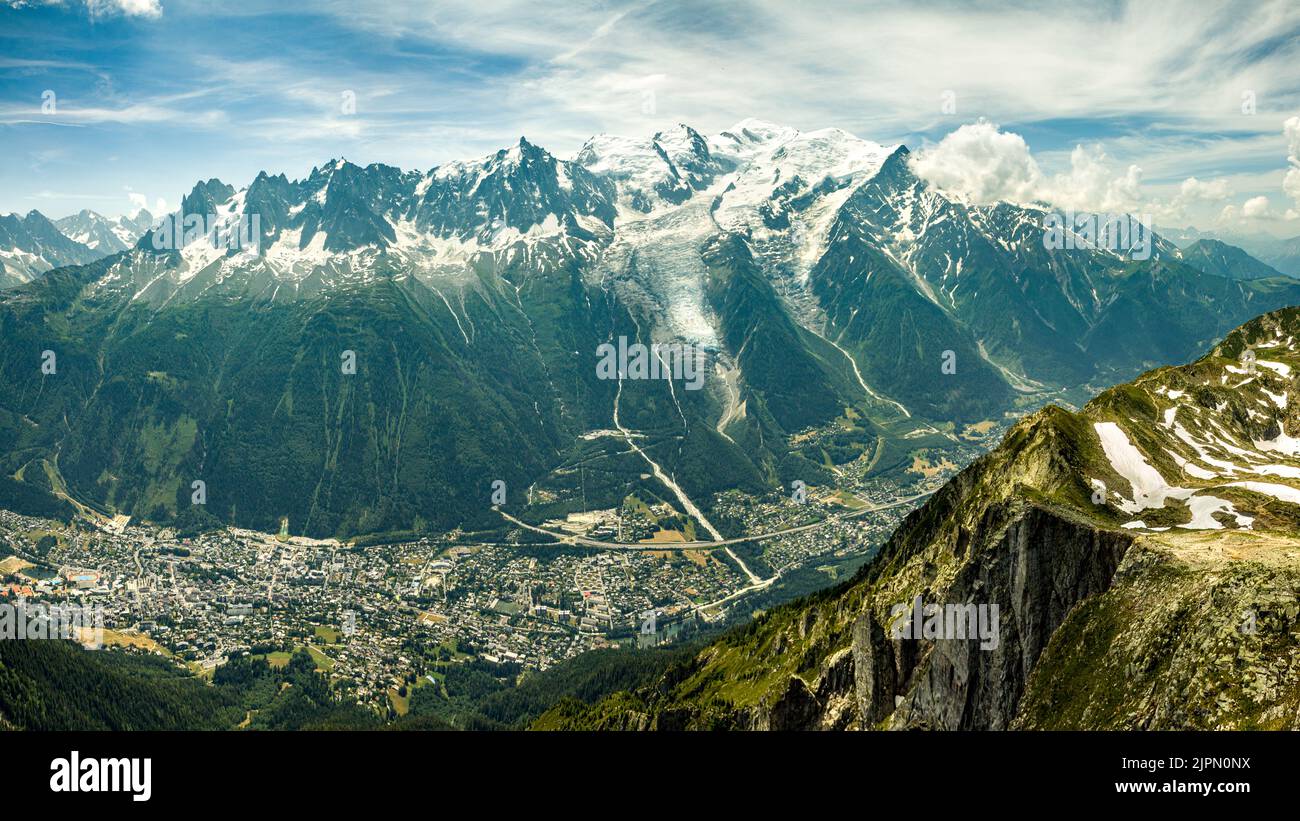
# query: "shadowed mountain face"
(818, 279)
(1130, 566)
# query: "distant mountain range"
(1282, 254)
(1212, 256)
(107, 236)
(31, 245)
(826, 286)
(1130, 566)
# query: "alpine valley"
(355, 463)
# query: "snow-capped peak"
(102, 234)
(790, 185)
(754, 130)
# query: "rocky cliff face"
(1034, 564)
(1037, 568)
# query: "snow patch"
(1150, 490)
(1285, 493)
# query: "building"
(78, 579)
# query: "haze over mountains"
(826, 283)
(1280, 254)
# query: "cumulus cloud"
(1091, 184)
(1194, 190)
(1257, 208)
(141, 202)
(982, 164)
(1192, 193)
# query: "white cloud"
(1291, 180)
(875, 69)
(140, 201)
(70, 113)
(1193, 195)
(1160, 83)
(1194, 190)
(150, 9)
(982, 164)
(1257, 208)
(1091, 184)
(1291, 184)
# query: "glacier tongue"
(655, 264)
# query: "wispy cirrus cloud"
(1161, 88)
(138, 113)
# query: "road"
(755, 583)
(569, 538)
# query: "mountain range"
(827, 286)
(30, 245)
(105, 235)
(1279, 253)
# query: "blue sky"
(152, 95)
